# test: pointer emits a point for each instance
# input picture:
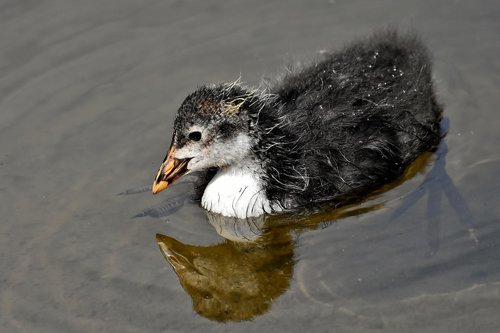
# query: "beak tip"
(159, 186)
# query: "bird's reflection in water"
(239, 278)
(233, 280)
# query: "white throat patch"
(236, 191)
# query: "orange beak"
(170, 170)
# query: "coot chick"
(332, 132)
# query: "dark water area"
(88, 92)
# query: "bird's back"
(350, 123)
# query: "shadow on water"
(238, 279)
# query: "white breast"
(236, 191)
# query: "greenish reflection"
(239, 278)
(232, 280)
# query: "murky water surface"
(88, 91)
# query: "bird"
(333, 131)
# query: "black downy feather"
(349, 123)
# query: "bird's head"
(212, 129)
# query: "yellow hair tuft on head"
(234, 105)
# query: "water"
(88, 91)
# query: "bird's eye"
(195, 136)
